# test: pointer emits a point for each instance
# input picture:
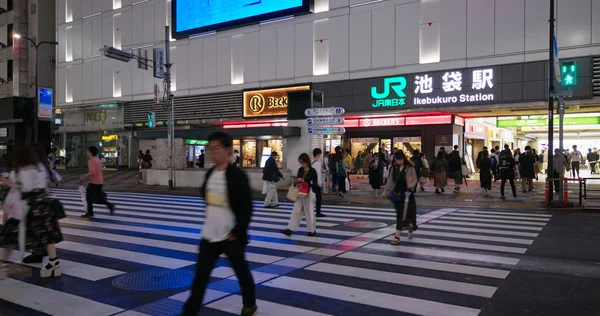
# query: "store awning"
(283, 131)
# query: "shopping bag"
(83, 198)
(265, 188)
(303, 188)
(347, 183)
(14, 205)
(292, 194)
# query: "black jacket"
(527, 162)
(240, 199)
(271, 170)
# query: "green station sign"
(196, 142)
(591, 120)
(386, 98)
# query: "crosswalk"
(455, 263)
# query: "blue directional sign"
(319, 121)
(326, 130)
(324, 112)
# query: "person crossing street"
(94, 193)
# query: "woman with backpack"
(403, 178)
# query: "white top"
(31, 178)
(219, 219)
(425, 163)
(319, 167)
(576, 156)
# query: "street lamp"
(37, 93)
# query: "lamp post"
(37, 93)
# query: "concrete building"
(345, 49)
(36, 20)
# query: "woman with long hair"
(440, 165)
(304, 203)
(403, 179)
(374, 178)
(485, 171)
(31, 178)
(507, 172)
(456, 170)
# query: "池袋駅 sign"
(269, 102)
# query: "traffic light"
(569, 73)
(151, 119)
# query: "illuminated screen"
(199, 16)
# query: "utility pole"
(550, 171)
(170, 116)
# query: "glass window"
(277, 145)
(9, 35)
(366, 145)
(407, 144)
(249, 154)
(331, 142)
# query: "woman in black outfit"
(485, 171)
(402, 180)
(507, 172)
(456, 170)
(304, 204)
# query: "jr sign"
(384, 99)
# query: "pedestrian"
(55, 177)
(527, 162)
(592, 159)
(349, 167)
(318, 166)
(425, 171)
(201, 159)
(359, 164)
(332, 166)
(306, 175)
(517, 156)
(418, 165)
(494, 162)
(147, 160)
(559, 162)
(456, 170)
(576, 158)
(271, 175)
(30, 177)
(375, 179)
(94, 193)
(340, 166)
(485, 171)
(326, 173)
(228, 200)
(536, 165)
(235, 158)
(403, 180)
(439, 166)
(140, 159)
(507, 172)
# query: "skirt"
(440, 180)
(42, 225)
(458, 177)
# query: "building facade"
(490, 52)
(17, 68)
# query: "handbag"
(393, 197)
(425, 172)
(276, 179)
(292, 194)
(303, 186)
(13, 204)
(465, 170)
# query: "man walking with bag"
(94, 193)
(271, 175)
(228, 211)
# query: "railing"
(564, 190)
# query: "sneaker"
(276, 206)
(456, 191)
(443, 190)
(321, 215)
(268, 206)
(437, 191)
(249, 311)
(51, 269)
(286, 232)
(333, 193)
(33, 259)
(111, 209)
(313, 234)
(87, 215)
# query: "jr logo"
(398, 84)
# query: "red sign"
(393, 121)
(474, 128)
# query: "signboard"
(368, 140)
(591, 120)
(324, 112)
(4, 132)
(317, 121)
(455, 87)
(195, 16)
(416, 139)
(326, 130)
(392, 95)
(394, 121)
(196, 142)
(158, 63)
(474, 128)
(45, 103)
(270, 102)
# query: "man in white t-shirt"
(228, 211)
(318, 166)
(576, 157)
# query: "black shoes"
(286, 232)
(33, 259)
(321, 215)
(249, 311)
(111, 209)
(313, 234)
(88, 215)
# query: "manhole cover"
(154, 280)
(365, 224)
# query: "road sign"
(324, 112)
(326, 130)
(318, 121)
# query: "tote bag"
(293, 193)
(14, 205)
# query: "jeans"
(209, 253)
(334, 182)
(95, 195)
(575, 168)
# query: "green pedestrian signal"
(151, 119)
(569, 73)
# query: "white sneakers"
(51, 269)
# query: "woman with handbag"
(403, 179)
(42, 225)
(308, 182)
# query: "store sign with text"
(270, 102)
(588, 120)
(394, 121)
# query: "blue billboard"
(45, 103)
(200, 16)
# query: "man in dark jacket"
(271, 175)
(228, 201)
(527, 162)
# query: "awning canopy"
(285, 131)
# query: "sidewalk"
(361, 193)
